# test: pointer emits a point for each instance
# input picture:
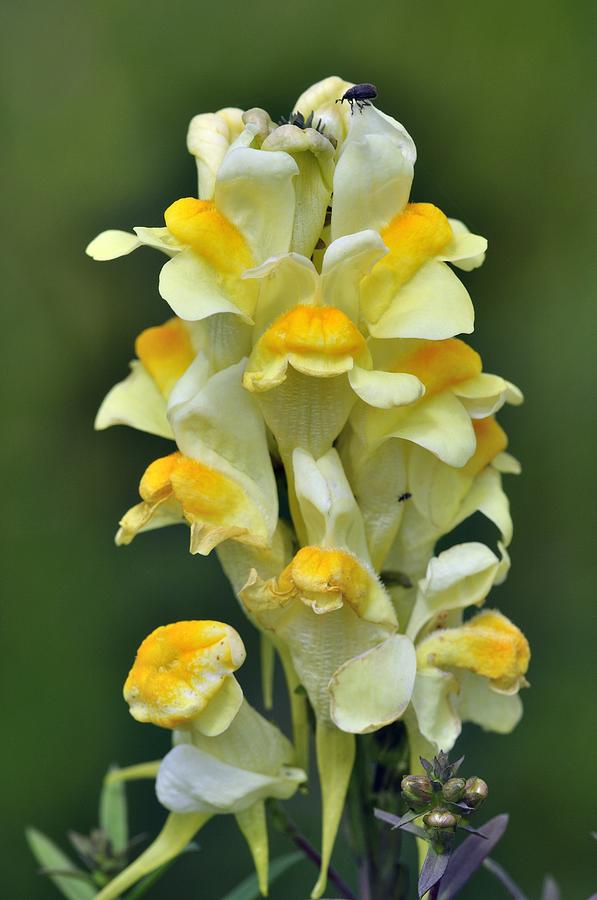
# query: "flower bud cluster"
(444, 800)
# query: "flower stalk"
(329, 425)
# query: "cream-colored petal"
(320, 99)
(440, 424)
(507, 464)
(255, 191)
(207, 429)
(208, 139)
(459, 577)
(346, 261)
(514, 395)
(378, 478)
(112, 244)
(284, 282)
(375, 688)
(221, 710)
(136, 402)
(158, 239)
(434, 304)
(191, 780)
(385, 390)
(147, 517)
(487, 496)
(373, 175)
(331, 515)
(251, 743)
(482, 395)
(465, 250)
(435, 707)
(194, 290)
(314, 155)
(493, 711)
(191, 382)
(437, 489)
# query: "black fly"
(405, 496)
(360, 94)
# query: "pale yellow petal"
(433, 304)
(374, 689)
(136, 402)
(255, 191)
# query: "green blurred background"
(96, 103)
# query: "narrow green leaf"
(49, 856)
(113, 813)
(249, 889)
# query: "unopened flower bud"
(453, 789)
(417, 789)
(441, 819)
(475, 792)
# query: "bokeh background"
(96, 100)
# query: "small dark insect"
(360, 94)
(405, 496)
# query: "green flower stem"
(285, 824)
(380, 763)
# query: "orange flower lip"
(491, 440)
(314, 329)
(179, 668)
(441, 364)
(166, 352)
(417, 234)
(211, 235)
(489, 644)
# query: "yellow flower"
(164, 353)
(469, 671)
(180, 670)
(456, 392)
(488, 645)
(226, 758)
(212, 241)
(176, 488)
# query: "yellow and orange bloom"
(315, 341)
(226, 758)
(466, 671)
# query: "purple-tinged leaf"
(467, 858)
(464, 808)
(416, 830)
(384, 816)
(456, 765)
(433, 869)
(505, 880)
(426, 765)
(406, 818)
(393, 820)
(403, 822)
(550, 890)
(473, 831)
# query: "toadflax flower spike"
(226, 758)
(315, 366)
